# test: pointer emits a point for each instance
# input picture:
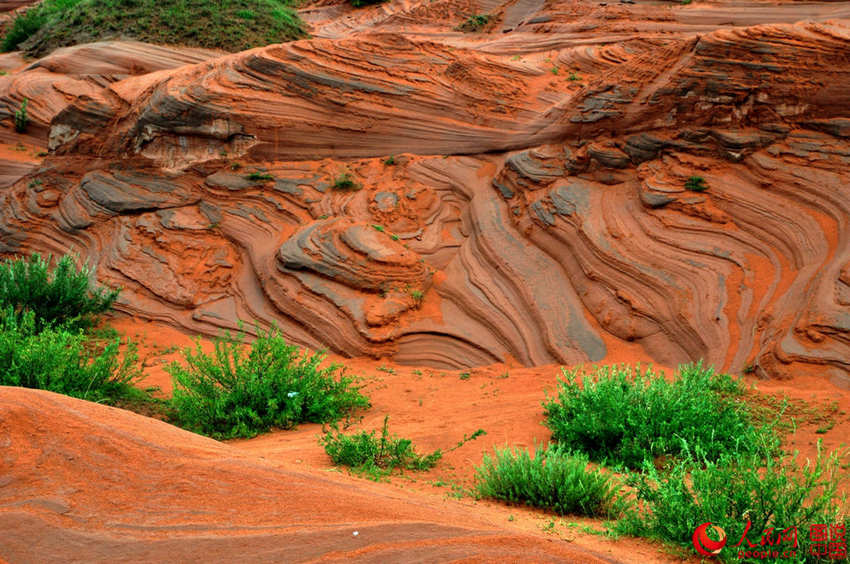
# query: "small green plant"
(474, 23)
(246, 14)
(259, 177)
(345, 182)
(624, 417)
(378, 228)
(394, 237)
(757, 488)
(387, 369)
(573, 77)
(556, 70)
(361, 3)
(696, 184)
(465, 376)
(22, 119)
(63, 361)
(376, 455)
(231, 393)
(553, 479)
(235, 166)
(61, 297)
(686, 2)
(417, 296)
(390, 161)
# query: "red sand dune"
(87, 483)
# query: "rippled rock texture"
(456, 200)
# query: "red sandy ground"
(436, 408)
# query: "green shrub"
(759, 487)
(345, 182)
(231, 393)
(474, 23)
(61, 297)
(376, 455)
(259, 176)
(624, 417)
(233, 25)
(22, 119)
(696, 184)
(553, 479)
(63, 362)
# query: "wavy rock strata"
(553, 224)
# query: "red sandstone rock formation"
(536, 205)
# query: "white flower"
(291, 394)
(355, 533)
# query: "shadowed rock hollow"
(535, 207)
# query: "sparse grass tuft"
(259, 177)
(474, 23)
(376, 455)
(554, 479)
(345, 182)
(22, 119)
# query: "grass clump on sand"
(62, 296)
(235, 392)
(379, 455)
(65, 362)
(376, 455)
(344, 181)
(553, 478)
(750, 493)
(46, 314)
(232, 25)
(623, 417)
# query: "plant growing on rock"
(474, 23)
(696, 184)
(22, 119)
(241, 391)
(61, 297)
(344, 181)
(259, 177)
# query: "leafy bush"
(474, 23)
(620, 416)
(22, 119)
(233, 394)
(61, 297)
(759, 487)
(345, 182)
(376, 455)
(63, 362)
(696, 184)
(233, 25)
(554, 479)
